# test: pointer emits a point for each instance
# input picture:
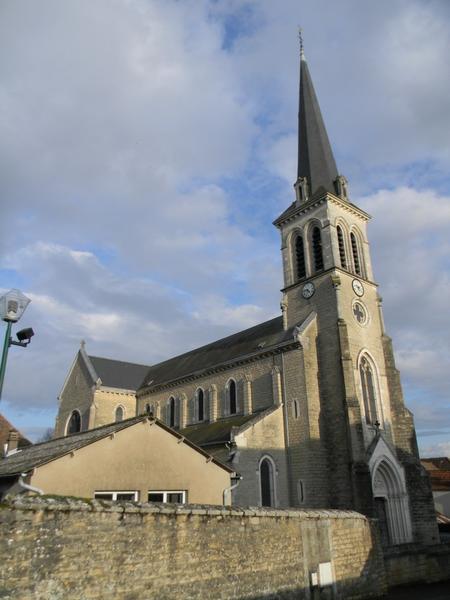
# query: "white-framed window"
(174, 496)
(117, 496)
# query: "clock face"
(358, 287)
(308, 290)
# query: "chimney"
(13, 441)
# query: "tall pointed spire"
(315, 158)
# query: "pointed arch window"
(232, 397)
(267, 482)
(317, 249)
(368, 386)
(74, 423)
(355, 254)
(200, 405)
(172, 412)
(300, 257)
(341, 244)
(119, 414)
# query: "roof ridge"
(227, 337)
(125, 362)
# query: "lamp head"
(13, 305)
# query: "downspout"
(238, 479)
(26, 486)
(286, 432)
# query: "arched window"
(341, 244)
(232, 397)
(74, 424)
(266, 477)
(119, 414)
(172, 410)
(200, 405)
(149, 409)
(355, 253)
(300, 257)
(368, 386)
(317, 249)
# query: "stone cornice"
(316, 201)
(224, 366)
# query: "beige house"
(138, 459)
(307, 406)
(97, 391)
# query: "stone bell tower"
(372, 459)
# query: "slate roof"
(256, 340)
(119, 374)
(219, 432)
(315, 157)
(40, 454)
(5, 428)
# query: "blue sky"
(146, 147)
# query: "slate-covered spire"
(315, 157)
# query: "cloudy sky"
(147, 145)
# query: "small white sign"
(325, 574)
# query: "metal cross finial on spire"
(300, 38)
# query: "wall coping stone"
(65, 503)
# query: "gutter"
(27, 487)
(237, 479)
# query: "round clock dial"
(358, 287)
(308, 290)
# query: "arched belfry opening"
(391, 502)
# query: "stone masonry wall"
(54, 549)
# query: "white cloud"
(146, 146)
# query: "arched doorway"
(267, 482)
(391, 503)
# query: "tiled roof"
(258, 339)
(440, 480)
(438, 462)
(39, 454)
(5, 428)
(119, 374)
(218, 432)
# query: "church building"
(308, 407)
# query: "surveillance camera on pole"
(12, 307)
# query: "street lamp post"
(12, 307)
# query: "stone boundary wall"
(61, 548)
(413, 563)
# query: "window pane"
(156, 497)
(119, 414)
(126, 496)
(232, 393)
(175, 497)
(266, 483)
(200, 405)
(74, 423)
(103, 496)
